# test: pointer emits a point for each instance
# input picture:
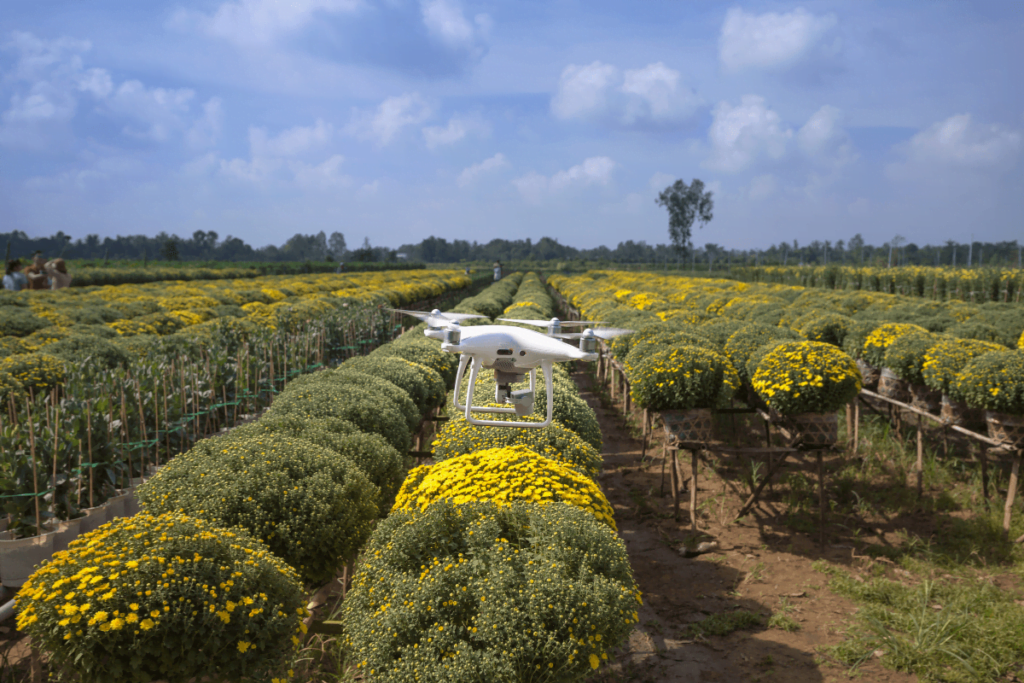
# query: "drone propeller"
(548, 323)
(436, 318)
(606, 333)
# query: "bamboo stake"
(35, 478)
(1011, 492)
(693, 488)
(88, 431)
(56, 447)
(675, 484)
(142, 423)
(856, 426)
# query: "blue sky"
(399, 119)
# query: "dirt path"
(761, 567)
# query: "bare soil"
(761, 565)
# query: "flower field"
(939, 283)
(794, 348)
(499, 562)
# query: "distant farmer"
(14, 279)
(36, 273)
(497, 270)
(58, 272)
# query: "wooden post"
(612, 382)
(1011, 492)
(643, 449)
(920, 457)
(856, 426)
(672, 452)
(693, 488)
(664, 459)
(767, 433)
(983, 456)
(35, 479)
(821, 495)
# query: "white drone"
(512, 353)
(436, 320)
(554, 328)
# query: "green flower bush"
(906, 356)
(169, 597)
(37, 372)
(424, 385)
(312, 507)
(347, 376)
(718, 330)
(555, 441)
(379, 461)
(830, 328)
(806, 377)
(879, 340)
(944, 360)
(369, 411)
(477, 592)
(978, 330)
(857, 335)
(413, 346)
(649, 344)
(683, 378)
(19, 321)
(993, 381)
(9, 387)
(742, 343)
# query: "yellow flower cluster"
(807, 377)
(880, 340)
(502, 475)
(149, 585)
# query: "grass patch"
(960, 631)
(783, 622)
(724, 623)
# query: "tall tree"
(685, 204)
(896, 242)
(336, 245)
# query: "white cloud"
(247, 23)
(160, 110)
(823, 140)
(603, 92)
(291, 142)
(276, 157)
(43, 103)
(368, 190)
(762, 187)
(445, 22)
(742, 134)
(770, 40)
(593, 171)
(96, 82)
(959, 143)
(205, 131)
(393, 114)
(471, 173)
(457, 128)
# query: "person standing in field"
(58, 272)
(14, 279)
(36, 273)
(497, 270)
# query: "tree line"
(207, 246)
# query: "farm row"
(939, 283)
(88, 407)
(701, 342)
(498, 562)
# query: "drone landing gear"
(521, 401)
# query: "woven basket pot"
(956, 413)
(816, 429)
(925, 399)
(694, 425)
(870, 374)
(1005, 428)
(891, 386)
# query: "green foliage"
(164, 598)
(742, 343)
(369, 411)
(555, 441)
(724, 623)
(18, 321)
(80, 349)
(477, 592)
(312, 507)
(906, 356)
(683, 378)
(830, 328)
(413, 346)
(857, 335)
(424, 385)
(379, 461)
(993, 381)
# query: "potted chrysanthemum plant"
(807, 382)
(994, 382)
